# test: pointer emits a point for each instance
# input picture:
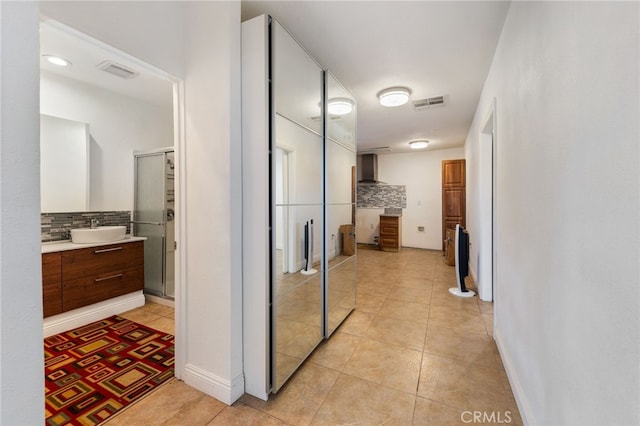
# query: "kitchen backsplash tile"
(58, 226)
(382, 195)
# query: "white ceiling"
(435, 48)
(86, 54)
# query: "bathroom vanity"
(79, 275)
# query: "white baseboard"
(518, 393)
(78, 317)
(217, 387)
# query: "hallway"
(410, 353)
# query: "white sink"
(101, 234)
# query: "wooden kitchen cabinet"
(91, 275)
(390, 232)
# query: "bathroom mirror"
(64, 165)
(297, 203)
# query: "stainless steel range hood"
(368, 166)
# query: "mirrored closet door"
(299, 252)
(297, 197)
(340, 185)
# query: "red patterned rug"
(94, 371)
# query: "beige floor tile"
(443, 298)
(240, 414)
(391, 366)
(357, 323)
(462, 384)
(418, 283)
(414, 295)
(459, 319)
(374, 289)
(335, 352)
(172, 404)
(485, 307)
(488, 323)
(164, 324)
(298, 401)
(410, 353)
(406, 311)
(407, 334)
(371, 304)
(158, 309)
(431, 413)
(140, 315)
(470, 347)
(354, 401)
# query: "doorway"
(110, 167)
(487, 183)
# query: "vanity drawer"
(101, 286)
(51, 284)
(93, 261)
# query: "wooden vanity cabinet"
(94, 274)
(51, 284)
(390, 233)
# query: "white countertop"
(53, 246)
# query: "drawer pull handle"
(107, 250)
(110, 277)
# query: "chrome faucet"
(94, 223)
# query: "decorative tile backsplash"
(382, 195)
(58, 226)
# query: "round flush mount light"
(340, 106)
(57, 60)
(420, 144)
(394, 96)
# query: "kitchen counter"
(54, 246)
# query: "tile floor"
(409, 354)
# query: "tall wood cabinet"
(454, 209)
(390, 232)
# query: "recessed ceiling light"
(340, 106)
(419, 144)
(57, 60)
(394, 96)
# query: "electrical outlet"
(371, 225)
(420, 228)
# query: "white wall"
(118, 125)
(421, 172)
(21, 372)
(213, 201)
(565, 78)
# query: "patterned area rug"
(94, 371)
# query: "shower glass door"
(148, 218)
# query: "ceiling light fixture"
(419, 144)
(394, 96)
(340, 106)
(57, 60)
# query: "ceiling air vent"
(434, 101)
(117, 69)
(376, 149)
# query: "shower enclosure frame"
(163, 223)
